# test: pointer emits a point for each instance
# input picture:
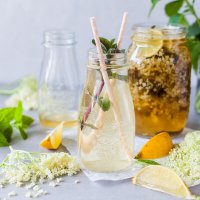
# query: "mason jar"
(59, 82)
(104, 144)
(159, 78)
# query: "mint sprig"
(108, 46)
(104, 103)
(13, 119)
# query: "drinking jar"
(106, 145)
(159, 78)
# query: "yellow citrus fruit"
(162, 179)
(53, 139)
(150, 45)
(157, 147)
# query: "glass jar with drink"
(159, 78)
(104, 145)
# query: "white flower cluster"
(26, 93)
(22, 167)
(184, 159)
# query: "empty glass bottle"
(59, 84)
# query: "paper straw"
(90, 140)
(122, 29)
(107, 83)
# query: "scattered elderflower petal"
(12, 194)
(77, 181)
(28, 195)
(36, 188)
(19, 184)
(53, 184)
(29, 186)
(58, 180)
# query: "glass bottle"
(59, 84)
(159, 78)
(103, 147)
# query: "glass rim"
(167, 30)
(58, 37)
(93, 51)
(114, 59)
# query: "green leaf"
(104, 103)
(153, 5)
(194, 47)
(178, 19)
(8, 133)
(19, 112)
(27, 121)
(148, 162)
(7, 114)
(173, 7)
(118, 76)
(106, 43)
(197, 102)
(3, 140)
(194, 30)
(22, 133)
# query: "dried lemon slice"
(162, 179)
(150, 45)
(53, 139)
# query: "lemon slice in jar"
(162, 179)
(148, 46)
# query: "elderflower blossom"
(21, 166)
(184, 159)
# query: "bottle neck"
(59, 38)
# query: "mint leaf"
(13, 118)
(194, 47)
(27, 121)
(194, 30)
(153, 5)
(3, 140)
(104, 103)
(148, 162)
(19, 112)
(197, 102)
(178, 19)
(173, 7)
(108, 46)
(8, 133)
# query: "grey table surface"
(86, 189)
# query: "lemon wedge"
(148, 46)
(162, 179)
(54, 138)
(158, 146)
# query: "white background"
(22, 23)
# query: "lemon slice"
(147, 47)
(162, 179)
(54, 138)
(158, 146)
